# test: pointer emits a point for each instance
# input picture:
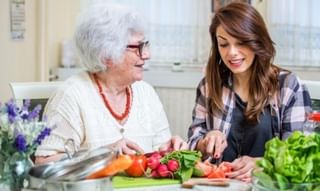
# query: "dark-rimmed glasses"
(141, 47)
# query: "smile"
(236, 62)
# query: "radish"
(173, 165)
(153, 162)
(163, 170)
(156, 155)
(155, 174)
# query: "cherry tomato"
(138, 166)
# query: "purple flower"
(45, 132)
(20, 143)
(26, 104)
(12, 110)
(34, 113)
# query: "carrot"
(121, 163)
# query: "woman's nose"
(146, 54)
(233, 50)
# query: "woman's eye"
(223, 45)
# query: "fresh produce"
(206, 169)
(154, 161)
(203, 169)
(183, 166)
(288, 163)
(119, 164)
(163, 170)
(138, 166)
(173, 165)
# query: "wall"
(178, 104)
(18, 59)
(48, 23)
(61, 17)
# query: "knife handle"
(206, 182)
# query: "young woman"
(244, 99)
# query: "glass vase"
(14, 177)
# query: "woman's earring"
(219, 62)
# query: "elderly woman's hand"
(126, 146)
(242, 168)
(175, 143)
(213, 144)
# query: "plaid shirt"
(289, 109)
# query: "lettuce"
(293, 161)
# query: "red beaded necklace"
(128, 101)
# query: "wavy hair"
(243, 22)
(103, 32)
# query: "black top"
(245, 138)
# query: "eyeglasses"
(141, 47)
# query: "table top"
(234, 186)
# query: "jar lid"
(76, 168)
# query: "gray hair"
(103, 32)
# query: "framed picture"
(217, 4)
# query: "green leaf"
(282, 181)
(187, 160)
(291, 162)
(265, 180)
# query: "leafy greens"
(291, 162)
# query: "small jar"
(312, 124)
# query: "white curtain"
(295, 28)
(178, 30)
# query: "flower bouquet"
(21, 132)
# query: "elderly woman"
(109, 104)
(244, 99)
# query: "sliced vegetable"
(203, 169)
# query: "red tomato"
(138, 166)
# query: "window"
(295, 28)
(178, 31)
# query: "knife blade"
(216, 161)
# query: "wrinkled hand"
(126, 146)
(213, 144)
(242, 168)
(175, 143)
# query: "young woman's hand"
(175, 143)
(213, 144)
(242, 168)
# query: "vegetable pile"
(180, 165)
(286, 164)
(183, 165)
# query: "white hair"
(103, 32)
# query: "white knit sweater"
(79, 113)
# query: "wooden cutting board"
(120, 181)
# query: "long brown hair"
(243, 22)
